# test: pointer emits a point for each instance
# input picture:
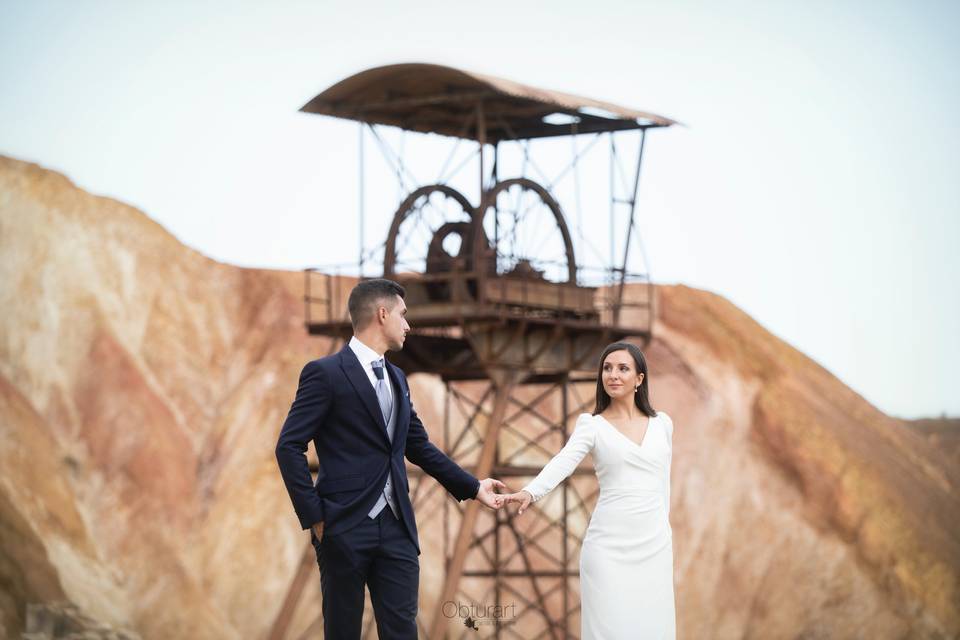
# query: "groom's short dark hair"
(367, 296)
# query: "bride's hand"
(523, 498)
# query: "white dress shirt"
(367, 356)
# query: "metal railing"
(600, 297)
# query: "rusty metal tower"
(503, 313)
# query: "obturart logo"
(475, 615)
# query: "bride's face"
(620, 376)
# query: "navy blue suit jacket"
(337, 408)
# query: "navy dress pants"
(379, 554)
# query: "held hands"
(523, 498)
(318, 530)
(487, 494)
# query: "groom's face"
(394, 325)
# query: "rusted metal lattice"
(503, 314)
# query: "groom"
(355, 406)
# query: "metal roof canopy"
(430, 98)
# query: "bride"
(626, 563)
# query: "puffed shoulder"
(585, 420)
(585, 429)
(667, 421)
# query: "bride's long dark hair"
(642, 396)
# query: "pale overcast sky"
(815, 184)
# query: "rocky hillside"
(142, 386)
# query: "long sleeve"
(666, 493)
(306, 415)
(423, 453)
(562, 465)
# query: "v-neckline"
(625, 436)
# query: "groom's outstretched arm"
(306, 415)
(423, 453)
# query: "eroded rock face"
(142, 387)
(801, 509)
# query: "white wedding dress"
(626, 563)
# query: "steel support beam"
(504, 382)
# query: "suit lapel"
(361, 384)
(400, 396)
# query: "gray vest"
(386, 494)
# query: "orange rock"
(142, 387)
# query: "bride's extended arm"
(563, 464)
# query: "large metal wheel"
(522, 233)
(431, 231)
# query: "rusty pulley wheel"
(416, 223)
(522, 233)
